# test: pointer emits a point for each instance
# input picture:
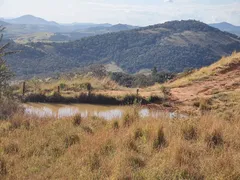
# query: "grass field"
(205, 147)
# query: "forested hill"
(172, 46)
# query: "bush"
(8, 107)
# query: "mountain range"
(29, 28)
(224, 26)
(172, 46)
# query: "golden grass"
(206, 147)
(208, 71)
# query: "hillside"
(74, 35)
(172, 46)
(224, 26)
(213, 87)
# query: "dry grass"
(206, 147)
(223, 64)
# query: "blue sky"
(136, 12)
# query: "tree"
(5, 73)
(154, 71)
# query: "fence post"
(58, 89)
(137, 92)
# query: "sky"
(135, 12)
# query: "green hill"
(172, 46)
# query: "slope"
(172, 46)
(217, 85)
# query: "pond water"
(106, 112)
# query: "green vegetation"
(171, 47)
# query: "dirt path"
(221, 82)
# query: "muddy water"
(63, 110)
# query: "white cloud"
(170, 1)
(131, 12)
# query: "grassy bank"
(205, 147)
(128, 99)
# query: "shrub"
(155, 99)
(160, 140)
(8, 107)
(62, 85)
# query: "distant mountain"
(172, 46)
(29, 28)
(31, 20)
(2, 23)
(111, 28)
(224, 26)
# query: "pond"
(68, 110)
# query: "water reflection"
(106, 112)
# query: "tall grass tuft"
(77, 119)
(214, 139)
(160, 141)
(3, 167)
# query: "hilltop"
(172, 46)
(29, 19)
